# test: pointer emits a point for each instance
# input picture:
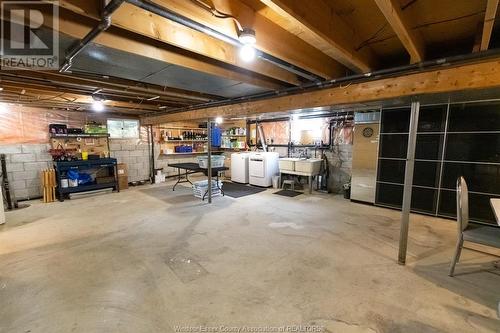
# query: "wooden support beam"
(271, 38)
(316, 23)
(110, 84)
(27, 93)
(480, 75)
(411, 40)
(78, 26)
(489, 21)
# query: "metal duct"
(102, 26)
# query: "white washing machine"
(239, 167)
(262, 168)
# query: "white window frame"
(123, 136)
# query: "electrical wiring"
(217, 13)
(373, 40)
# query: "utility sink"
(288, 163)
(311, 166)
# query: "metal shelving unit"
(63, 167)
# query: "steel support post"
(410, 163)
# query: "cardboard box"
(123, 182)
(122, 170)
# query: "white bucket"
(276, 181)
(159, 178)
(64, 183)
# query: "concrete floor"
(152, 260)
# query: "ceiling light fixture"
(247, 53)
(219, 120)
(153, 98)
(247, 38)
(98, 106)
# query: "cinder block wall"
(24, 162)
(134, 153)
(25, 141)
(162, 161)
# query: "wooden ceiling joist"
(489, 21)
(411, 40)
(78, 26)
(27, 94)
(271, 38)
(114, 85)
(481, 75)
(316, 23)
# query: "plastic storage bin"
(217, 161)
(201, 187)
(183, 149)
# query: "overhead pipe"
(159, 10)
(105, 23)
(375, 75)
(108, 86)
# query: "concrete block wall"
(162, 161)
(134, 153)
(24, 162)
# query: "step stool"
(291, 183)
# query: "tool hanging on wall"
(48, 180)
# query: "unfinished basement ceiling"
(101, 60)
(447, 28)
(445, 32)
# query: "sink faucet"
(302, 153)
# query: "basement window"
(123, 128)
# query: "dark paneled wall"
(452, 140)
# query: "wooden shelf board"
(184, 128)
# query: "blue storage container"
(216, 136)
